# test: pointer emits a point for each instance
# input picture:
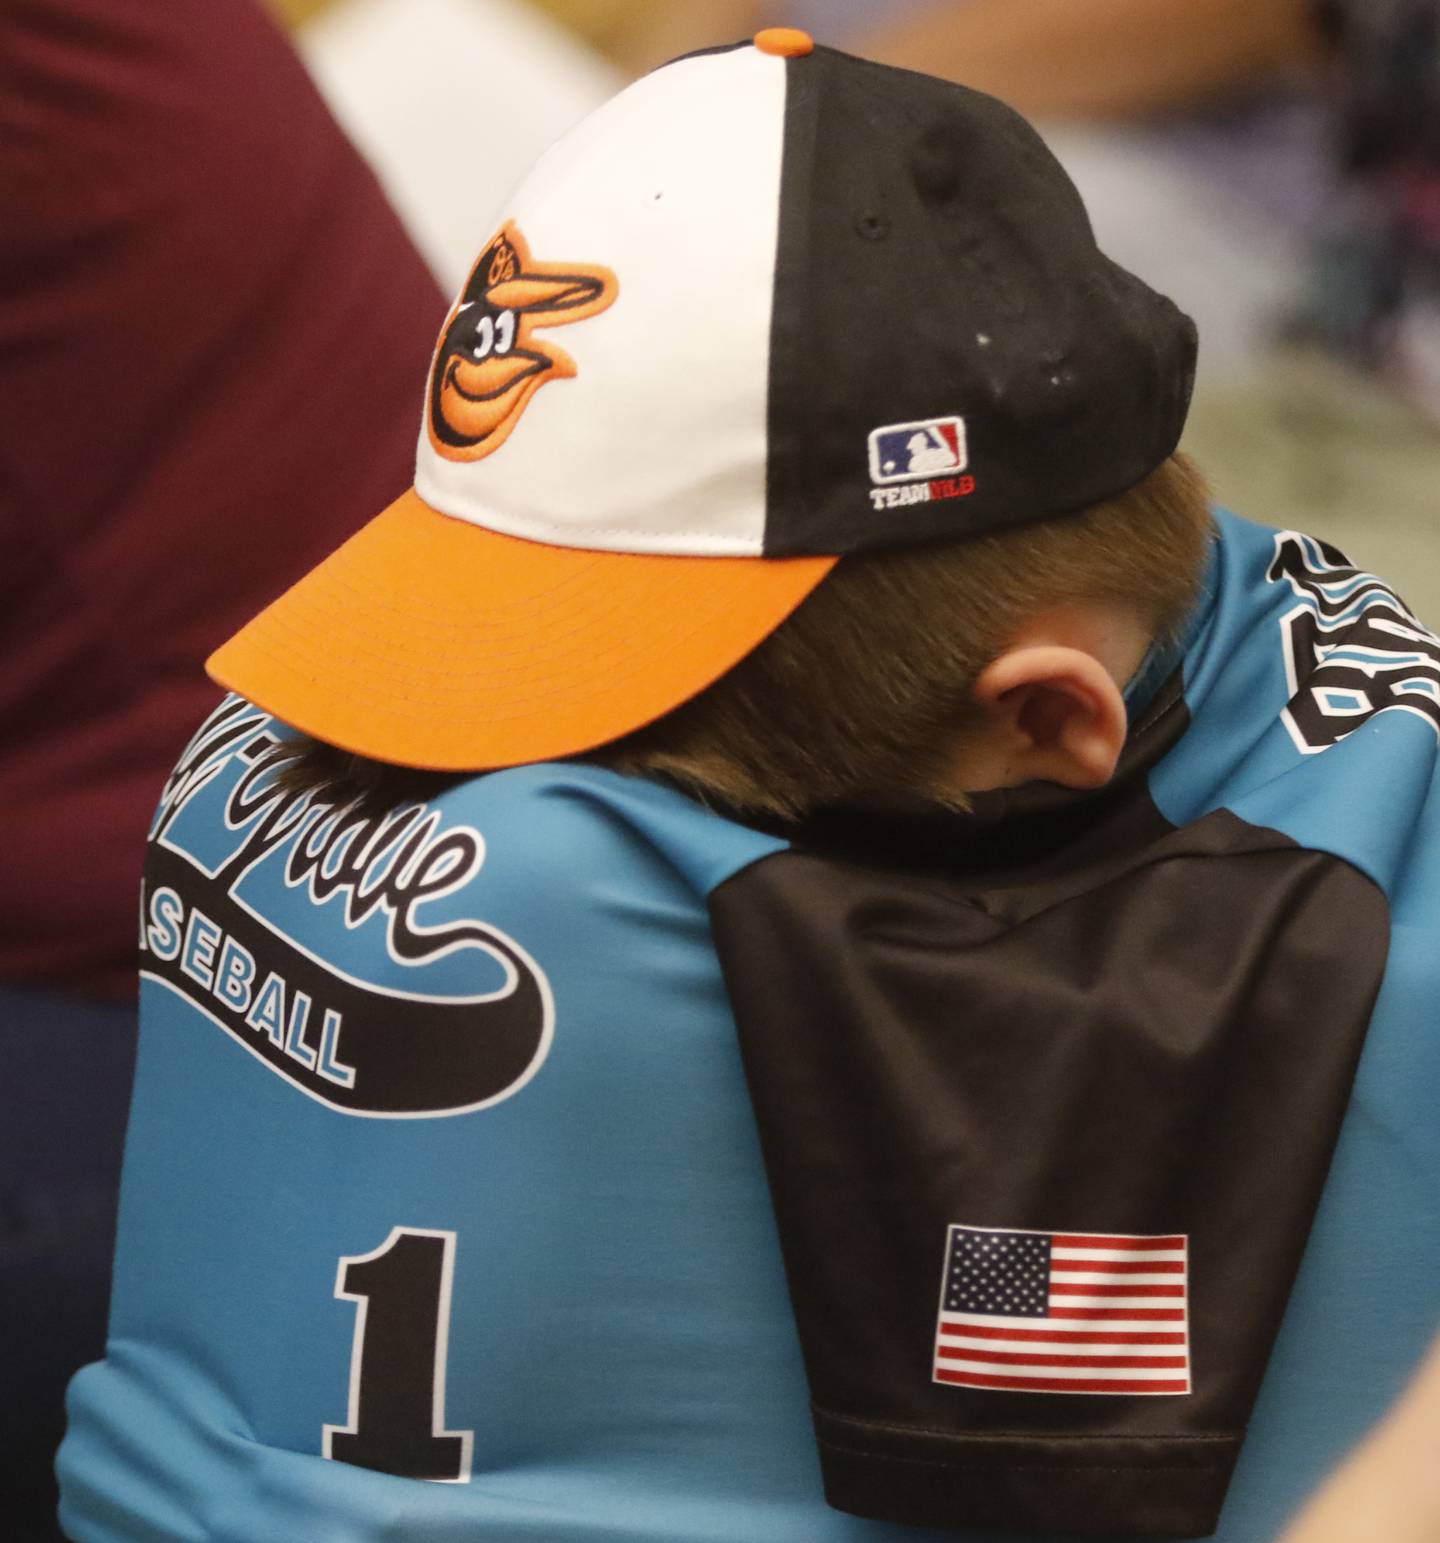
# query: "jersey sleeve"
(349, 1304)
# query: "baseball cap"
(770, 306)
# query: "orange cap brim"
(431, 642)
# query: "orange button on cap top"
(785, 42)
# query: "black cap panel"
(951, 353)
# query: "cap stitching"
(445, 631)
(579, 686)
(541, 657)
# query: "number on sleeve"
(396, 1421)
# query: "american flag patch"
(1064, 1312)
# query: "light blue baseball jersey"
(442, 1160)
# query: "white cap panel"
(626, 454)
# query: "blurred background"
(1270, 164)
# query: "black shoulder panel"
(973, 1080)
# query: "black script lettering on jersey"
(358, 1047)
(201, 760)
(393, 862)
(1353, 648)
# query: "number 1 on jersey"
(396, 1421)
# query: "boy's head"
(813, 310)
(949, 670)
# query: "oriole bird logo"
(489, 362)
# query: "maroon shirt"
(213, 341)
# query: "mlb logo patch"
(903, 452)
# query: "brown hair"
(865, 687)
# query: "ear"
(1056, 715)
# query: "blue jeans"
(65, 1071)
